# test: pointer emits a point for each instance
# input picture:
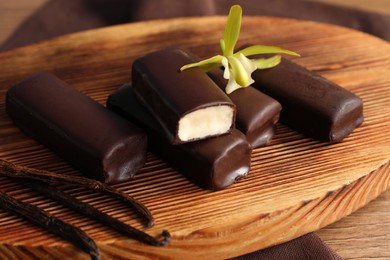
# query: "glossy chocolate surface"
(101, 144)
(257, 113)
(170, 94)
(213, 163)
(310, 103)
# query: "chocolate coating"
(101, 144)
(170, 94)
(257, 113)
(311, 104)
(213, 163)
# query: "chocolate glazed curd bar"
(95, 140)
(187, 104)
(311, 104)
(257, 113)
(212, 163)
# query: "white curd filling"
(205, 122)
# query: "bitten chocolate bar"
(101, 144)
(212, 163)
(311, 104)
(257, 113)
(187, 103)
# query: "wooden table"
(362, 235)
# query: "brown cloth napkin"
(60, 17)
(306, 247)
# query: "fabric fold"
(59, 17)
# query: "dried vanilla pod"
(15, 171)
(54, 225)
(90, 211)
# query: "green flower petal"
(237, 67)
(264, 49)
(232, 29)
(207, 64)
(239, 73)
(267, 63)
(222, 45)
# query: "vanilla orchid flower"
(237, 66)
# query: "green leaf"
(267, 63)
(207, 64)
(264, 49)
(239, 73)
(232, 29)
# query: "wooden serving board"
(296, 185)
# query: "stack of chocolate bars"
(186, 116)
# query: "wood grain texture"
(296, 185)
(364, 234)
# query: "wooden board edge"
(225, 241)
